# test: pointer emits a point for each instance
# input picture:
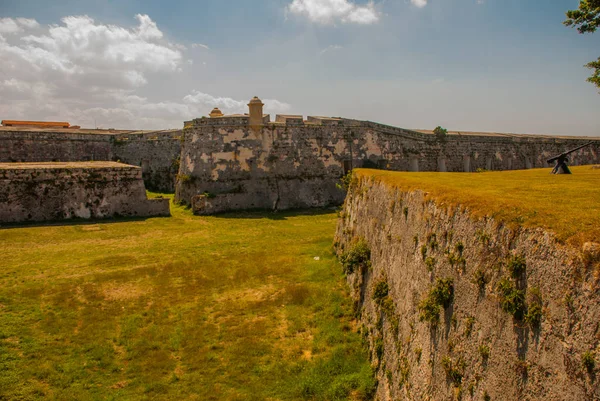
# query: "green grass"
(568, 205)
(233, 307)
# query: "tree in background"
(440, 133)
(587, 19)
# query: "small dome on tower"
(216, 113)
(255, 99)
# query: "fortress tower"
(256, 113)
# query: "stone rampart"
(289, 163)
(53, 145)
(156, 152)
(57, 191)
(293, 163)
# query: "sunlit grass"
(233, 307)
(568, 205)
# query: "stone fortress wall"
(234, 162)
(156, 152)
(245, 161)
(39, 192)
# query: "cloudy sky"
(483, 65)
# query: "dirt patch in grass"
(123, 291)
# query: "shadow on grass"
(274, 215)
(76, 222)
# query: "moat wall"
(39, 192)
(476, 349)
(294, 163)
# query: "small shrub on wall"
(440, 295)
(359, 256)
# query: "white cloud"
(204, 102)
(200, 45)
(419, 3)
(330, 11)
(8, 25)
(84, 72)
(28, 23)
(11, 26)
(331, 48)
(81, 44)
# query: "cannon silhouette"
(561, 160)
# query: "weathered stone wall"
(157, 153)
(477, 348)
(57, 191)
(48, 146)
(296, 163)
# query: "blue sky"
(491, 65)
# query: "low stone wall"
(57, 191)
(475, 350)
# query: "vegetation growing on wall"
(439, 296)
(357, 257)
(512, 300)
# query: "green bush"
(424, 251)
(443, 291)
(440, 295)
(512, 300)
(484, 351)
(454, 371)
(379, 347)
(440, 133)
(534, 310)
(430, 263)
(347, 182)
(429, 311)
(588, 361)
(359, 256)
(460, 247)
(380, 292)
(479, 279)
(516, 265)
(432, 241)
(469, 322)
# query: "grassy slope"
(229, 308)
(568, 205)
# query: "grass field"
(568, 205)
(234, 307)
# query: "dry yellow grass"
(567, 205)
